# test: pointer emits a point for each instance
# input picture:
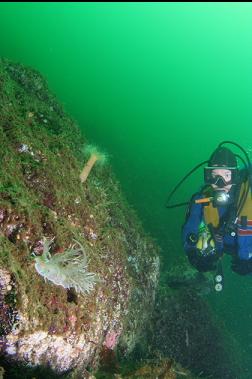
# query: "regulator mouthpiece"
(221, 198)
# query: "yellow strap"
(211, 215)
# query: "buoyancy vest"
(211, 214)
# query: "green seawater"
(157, 86)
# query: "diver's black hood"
(222, 157)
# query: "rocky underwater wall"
(77, 272)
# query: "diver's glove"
(242, 266)
(190, 242)
(203, 261)
(192, 239)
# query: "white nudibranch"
(67, 269)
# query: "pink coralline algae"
(111, 339)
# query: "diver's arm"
(190, 229)
(202, 261)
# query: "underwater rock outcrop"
(42, 199)
(185, 328)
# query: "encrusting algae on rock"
(42, 199)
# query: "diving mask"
(230, 176)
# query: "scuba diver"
(219, 216)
